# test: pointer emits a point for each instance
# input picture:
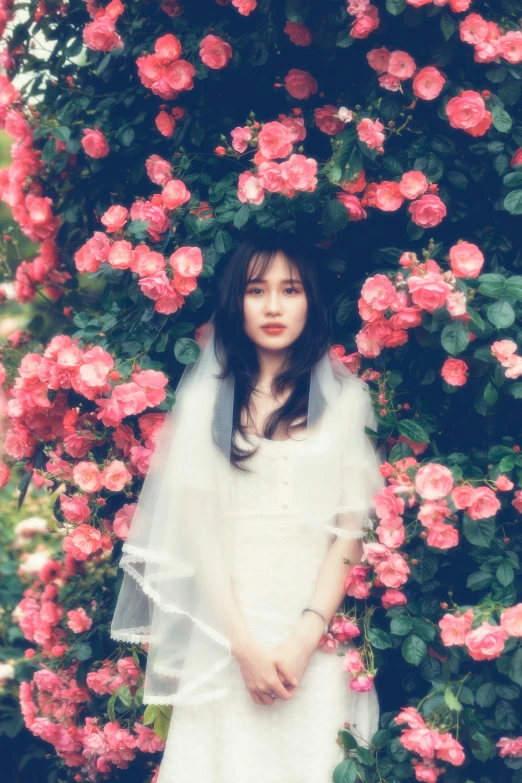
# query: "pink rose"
(473, 29)
(393, 598)
(188, 261)
(165, 123)
(245, 7)
(394, 571)
(388, 196)
(433, 481)
(428, 211)
(120, 255)
(240, 138)
(270, 176)
(511, 46)
(249, 189)
(94, 143)
(87, 476)
(158, 169)
(175, 194)
(300, 84)
(454, 372)
(503, 349)
(327, 120)
(344, 629)
(168, 47)
(215, 52)
(428, 83)
(78, 621)
(401, 65)
(486, 642)
(510, 746)
(299, 172)
(371, 132)
(115, 218)
(179, 75)
(511, 620)
(466, 259)
(275, 141)
(378, 59)
(466, 110)
(298, 33)
(413, 184)
(450, 750)
(115, 476)
(352, 662)
(366, 23)
(101, 36)
(353, 206)
(484, 503)
(362, 682)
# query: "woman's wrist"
(310, 630)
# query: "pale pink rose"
(466, 110)
(120, 255)
(473, 29)
(168, 47)
(75, 508)
(85, 541)
(393, 598)
(85, 261)
(188, 261)
(454, 372)
(442, 536)
(371, 132)
(94, 143)
(298, 33)
(379, 292)
(353, 206)
(428, 291)
(411, 717)
(466, 259)
(99, 245)
(503, 349)
(299, 172)
(433, 481)
(391, 533)
(362, 682)
(328, 643)
(270, 176)
(154, 215)
(152, 383)
(240, 138)
(327, 120)
(428, 83)
(486, 642)
(147, 740)
(352, 662)
(158, 169)
(250, 189)
(147, 262)
(426, 772)
(344, 629)
(366, 23)
(511, 46)
(401, 65)
(245, 7)
(394, 571)
(388, 505)
(355, 584)
(513, 366)
(450, 750)
(423, 741)
(374, 553)
(180, 75)
(510, 746)
(101, 36)
(428, 211)
(174, 194)
(459, 6)
(389, 82)
(165, 123)
(511, 620)
(462, 496)
(78, 621)
(155, 286)
(115, 475)
(275, 141)
(413, 184)
(115, 218)
(378, 59)
(456, 303)
(87, 476)
(388, 196)
(215, 52)
(484, 503)
(503, 483)
(300, 84)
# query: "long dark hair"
(237, 353)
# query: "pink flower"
(344, 629)
(473, 29)
(215, 52)
(426, 772)
(393, 598)
(510, 746)
(250, 189)
(245, 7)
(240, 138)
(94, 143)
(174, 194)
(454, 372)
(486, 642)
(422, 741)
(115, 476)
(187, 261)
(120, 255)
(122, 519)
(366, 23)
(353, 206)
(378, 59)
(433, 481)
(503, 483)
(299, 172)
(147, 740)
(468, 112)
(413, 184)
(466, 259)
(115, 218)
(352, 662)
(462, 496)
(503, 349)
(411, 717)
(394, 571)
(158, 169)
(428, 83)
(484, 503)
(327, 120)
(87, 476)
(78, 621)
(388, 196)
(275, 140)
(362, 682)
(371, 132)
(401, 65)
(85, 541)
(442, 536)
(300, 84)
(165, 123)
(511, 620)
(511, 46)
(101, 36)
(427, 211)
(298, 33)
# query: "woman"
(248, 523)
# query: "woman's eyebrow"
(263, 280)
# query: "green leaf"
(197, 134)
(127, 137)
(401, 625)
(381, 738)
(223, 242)
(110, 708)
(395, 7)
(345, 772)
(296, 11)
(513, 287)
(344, 39)
(500, 314)
(161, 726)
(454, 337)
(486, 695)
(515, 667)
(241, 216)
(505, 574)
(479, 580)
(513, 202)
(451, 700)
(478, 532)
(334, 216)
(379, 639)
(505, 716)
(513, 180)
(501, 119)
(412, 430)
(150, 714)
(414, 649)
(124, 694)
(186, 350)
(481, 747)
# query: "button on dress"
(274, 566)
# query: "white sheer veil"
(177, 590)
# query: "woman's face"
(276, 299)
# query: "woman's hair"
(236, 351)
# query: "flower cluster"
(397, 66)
(489, 42)
(366, 18)
(100, 35)
(505, 352)
(428, 743)
(486, 641)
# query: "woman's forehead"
(277, 264)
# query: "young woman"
(247, 526)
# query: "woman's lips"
(273, 329)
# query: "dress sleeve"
(360, 475)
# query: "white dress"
(275, 567)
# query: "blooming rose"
(486, 642)
(510, 746)
(274, 141)
(298, 33)
(101, 36)
(78, 621)
(454, 372)
(433, 481)
(188, 261)
(249, 189)
(388, 196)
(401, 65)
(427, 211)
(466, 259)
(352, 662)
(94, 143)
(484, 503)
(240, 138)
(413, 184)
(353, 206)
(393, 598)
(371, 132)
(174, 194)
(511, 620)
(468, 112)
(115, 218)
(300, 84)
(428, 83)
(215, 52)
(394, 571)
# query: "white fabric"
(276, 559)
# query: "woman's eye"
(289, 288)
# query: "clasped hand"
(278, 670)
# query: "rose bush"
(137, 167)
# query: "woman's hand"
(259, 672)
(292, 657)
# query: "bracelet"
(309, 609)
